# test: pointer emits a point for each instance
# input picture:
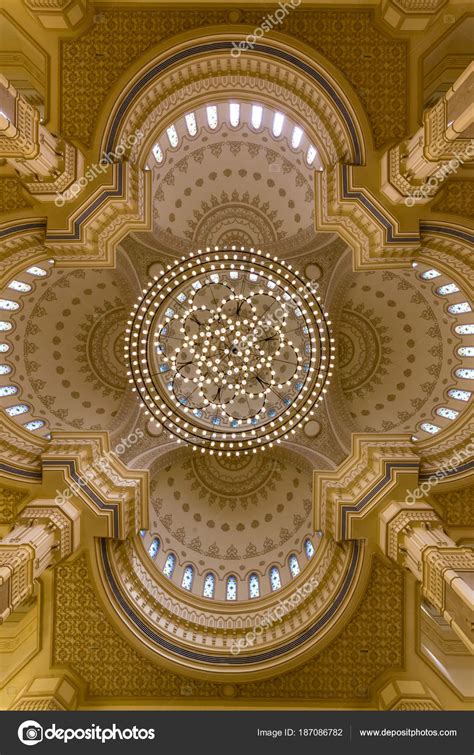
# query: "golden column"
(44, 534)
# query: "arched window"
(294, 565)
(4, 347)
(309, 548)
(211, 112)
(296, 137)
(158, 153)
(231, 588)
(8, 390)
(38, 271)
(448, 413)
(154, 548)
(14, 411)
(142, 533)
(465, 330)
(275, 581)
(277, 127)
(191, 124)
(35, 424)
(311, 154)
(449, 288)
(209, 585)
(459, 395)
(5, 369)
(257, 115)
(9, 304)
(466, 351)
(465, 373)
(459, 309)
(234, 114)
(188, 577)
(254, 586)
(5, 325)
(430, 274)
(172, 136)
(428, 427)
(19, 286)
(170, 563)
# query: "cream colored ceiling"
(233, 186)
(231, 515)
(69, 349)
(395, 348)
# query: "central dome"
(229, 350)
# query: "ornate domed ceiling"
(236, 184)
(231, 515)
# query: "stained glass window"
(35, 424)
(4, 347)
(38, 271)
(428, 427)
(188, 577)
(459, 395)
(448, 413)
(8, 390)
(294, 565)
(465, 330)
(309, 548)
(460, 308)
(278, 120)
(275, 581)
(19, 286)
(154, 548)
(8, 304)
(170, 563)
(311, 154)
(172, 136)
(466, 373)
(466, 351)
(14, 411)
(430, 274)
(5, 369)
(191, 124)
(211, 112)
(158, 153)
(296, 137)
(257, 115)
(231, 589)
(142, 533)
(449, 288)
(254, 586)
(234, 114)
(5, 325)
(209, 585)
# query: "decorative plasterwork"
(405, 694)
(111, 668)
(178, 627)
(327, 31)
(357, 487)
(117, 496)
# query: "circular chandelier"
(229, 350)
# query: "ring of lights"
(229, 350)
